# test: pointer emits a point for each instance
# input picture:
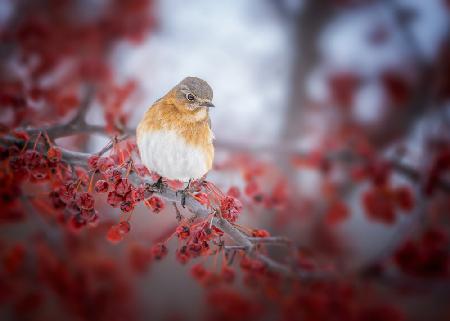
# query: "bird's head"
(193, 95)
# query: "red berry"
(21, 134)
(85, 201)
(260, 233)
(124, 227)
(379, 205)
(16, 163)
(113, 174)
(41, 170)
(122, 186)
(337, 213)
(93, 162)
(155, 204)
(138, 194)
(198, 248)
(114, 235)
(234, 192)
(404, 198)
(104, 163)
(252, 189)
(230, 208)
(114, 199)
(101, 186)
(54, 154)
(126, 206)
(183, 232)
(32, 159)
(77, 222)
(66, 192)
(87, 214)
(159, 251)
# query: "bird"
(174, 137)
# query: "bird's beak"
(207, 104)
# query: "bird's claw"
(158, 185)
(184, 193)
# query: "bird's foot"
(184, 193)
(159, 185)
(178, 216)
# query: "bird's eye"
(190, 97)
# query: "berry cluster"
(382, 200)
(426, 257)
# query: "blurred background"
(297, 84)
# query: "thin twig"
(272, 240)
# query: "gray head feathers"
(197, 86)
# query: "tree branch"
(241, 241)
(77, 125)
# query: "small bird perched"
(174, 137)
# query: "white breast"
(168, 154)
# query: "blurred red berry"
(14, 258)
(21, 134)
(252, 189)
(234, 192)
(404, 198)
(260, 233)
(76, 222)
(379, 205)
(140, 258)
(343, 86)
(159, 251)
(199, 272)
(32, 159)
(114, 235)
(337, 212)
